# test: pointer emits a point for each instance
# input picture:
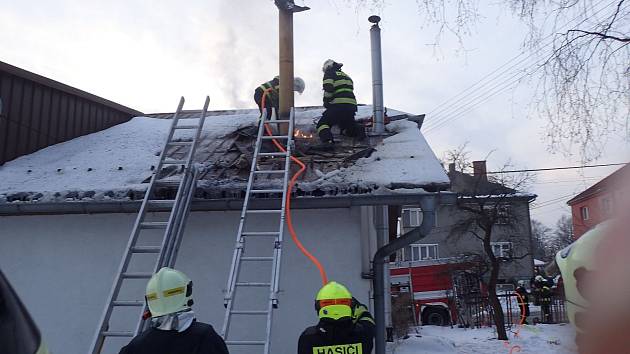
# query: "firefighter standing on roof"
(174, 328)
(272, 100)
(340, 104)
(345, 325)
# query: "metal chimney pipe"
(377, 77)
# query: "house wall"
(452, 244)
(37, 112)
(596, 212)
(63, 267)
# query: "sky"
(146, 54)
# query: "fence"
(474, 310)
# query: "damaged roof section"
(117, 163)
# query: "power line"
(558, 168)
(450, 113)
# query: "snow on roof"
(110, 163)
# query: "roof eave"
(115, 207)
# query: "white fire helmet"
(168, 291)
(298, 85)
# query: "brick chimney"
(479, 170)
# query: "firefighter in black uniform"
(340, 104)
(345, 325)
(174, 328)
(273, 96)
(523, 301)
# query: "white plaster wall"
(63, 267)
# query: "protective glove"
(359, 311)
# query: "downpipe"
(428, 205)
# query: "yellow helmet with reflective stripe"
(168, 291)
(334, 301)
(575, 262)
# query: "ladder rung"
(271, 172)
(168, 183)
(118, 334)
(154, 224)
(278, 121)
(245, 342)
(260, 233)
(137, 275)
(247, 312)
(146, 249)
(270, 137)
(128, 303)
(252, 284)
(187, 126)
(162, 202)
(283, 154)
(179, 143)
(174, 162)
(256, 259)
(276, 211)
(265, 191)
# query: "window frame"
(426, 246)
(501, 244)
(585, 213)
(418, 217)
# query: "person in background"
(523, 301)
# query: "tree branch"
(602, 35)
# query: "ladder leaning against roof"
(250, 229)
(171, 229)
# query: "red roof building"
(597, 203)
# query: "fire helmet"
(333, 301)
(168, 291)
(329, 63)
(298, 85)
(575, 262)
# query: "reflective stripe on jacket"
(338, 88)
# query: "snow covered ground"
(539, 339)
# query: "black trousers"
(268, 103)
(341, 115)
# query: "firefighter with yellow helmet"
(345, 325)
(174, 328)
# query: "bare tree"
(562, 235)
(582, 70)
(460, 156)
(485, 207)
(540, 237)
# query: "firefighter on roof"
(174, 328)
(273, 97)
(345, 325)
(340, 104)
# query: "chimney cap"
(374, 19)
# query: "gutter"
(113, 207)
(428, 204)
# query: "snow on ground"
(121, 157)
(404, 158)
(539, 339)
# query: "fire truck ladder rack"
(249, 229)
(172, 227)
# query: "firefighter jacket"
(338, 88)
(273, 97)
(344, 336)
(199, 338)
(523, 295)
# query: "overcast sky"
(147, 53)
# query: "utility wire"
(558, 168)
(445, 114)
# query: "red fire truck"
(434, 285)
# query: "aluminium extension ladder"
(249, 230)
(173, 227)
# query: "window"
(412, 217)
(607, 206)
(424, 252)
(502, 249)
(584, 212)
(503, 215)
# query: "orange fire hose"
(292, 183)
